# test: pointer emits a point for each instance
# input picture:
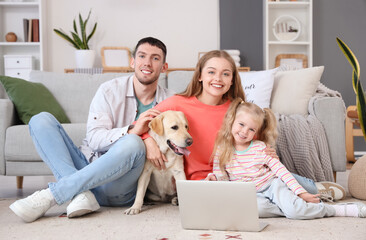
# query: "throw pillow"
(32, 98)
(257, 86)
(292, 90)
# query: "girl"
(237, 157)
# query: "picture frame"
(296, 60)
(200, 54)
(115, 58)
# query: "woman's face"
(216, 78)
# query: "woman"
(205, 101)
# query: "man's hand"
(153, 154)
(271, 152)
(142, 124)
(308, 197)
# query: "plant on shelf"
(357, 87)
(79, 39)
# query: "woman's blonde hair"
(224, 142)
(195, 87)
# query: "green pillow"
(32, 98)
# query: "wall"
(186, 27)
(346, 20)
(331, 19)
(241, 26)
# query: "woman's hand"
(142, 124)
(308, 197)
(271, 152)
(153, 153)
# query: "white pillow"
(292, 90)
(257, 86)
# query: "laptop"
(218, 205)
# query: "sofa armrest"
(7, 119)
(331, 112)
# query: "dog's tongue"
(183, 151)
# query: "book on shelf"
(35, 30)
(25, 27)
(31, 30)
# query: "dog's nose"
(189, 141)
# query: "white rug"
(162, 222)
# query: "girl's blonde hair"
(224, 142)
(195, 87)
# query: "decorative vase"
(84, 58)
(11, 37)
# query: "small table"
(351, 131)
(126, 70)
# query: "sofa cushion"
(32, 98)
(75, 91)
(257, 86)
(19, 145)
(179, 80)
(292, 90)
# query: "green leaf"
(82, 31)
(361, 107)
(350, 56)
(75, 28)
(77, 41)
(92, 33)
(355, 78)
(66, 37)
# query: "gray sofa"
(74, 92)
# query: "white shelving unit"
(302, 10)
(11, 20)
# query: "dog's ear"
(186, 121)
(157, 125)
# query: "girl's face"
(243, 130)
(216, 78)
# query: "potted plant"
(357, 177)
(357, 86)
(79, 39)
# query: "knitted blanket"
(303, 148)
(302, 145)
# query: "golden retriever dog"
(170, 131)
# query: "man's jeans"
(112, 177)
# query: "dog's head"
(171, 128)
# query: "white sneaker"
(82, 204)
(331, 188)
(34, 206)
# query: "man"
(105, 169)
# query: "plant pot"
(84, 58)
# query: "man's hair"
(153, 42)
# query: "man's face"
(148, 63)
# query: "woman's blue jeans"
(112, 177)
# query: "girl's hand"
(211, 177)
(271, 152)
(308, 197)
(153, 154)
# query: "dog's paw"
(175, 201)
(132, 211)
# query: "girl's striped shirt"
(253, 165)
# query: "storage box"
(18, 66)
